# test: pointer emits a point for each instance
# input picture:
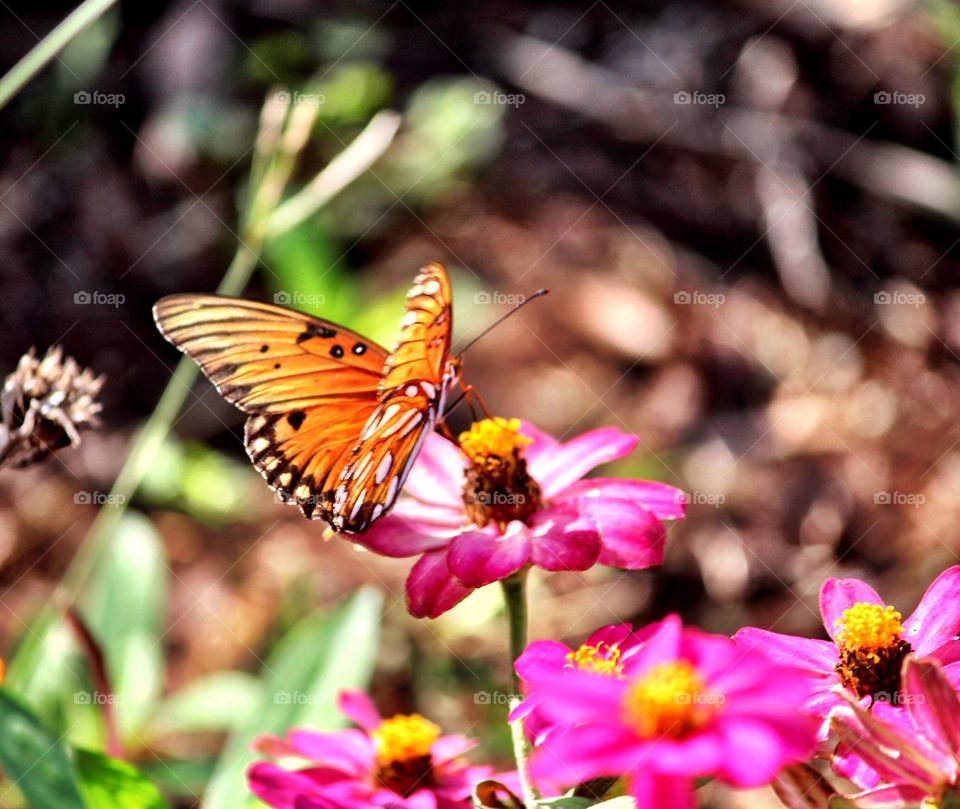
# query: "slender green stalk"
(48, 47)
(356, 158)
(146, 445)
(515, 598)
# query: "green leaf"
(107, 783)
(315, 660)
(306, 274)
(34, 759)
(124, 608)
(565, 803)
(215, 702)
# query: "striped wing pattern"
(334, 421)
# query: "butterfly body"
(335, 421)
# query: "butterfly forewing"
(335, 422)
(308, 386)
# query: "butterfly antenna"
(538, 294)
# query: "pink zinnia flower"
(904, 756)
(868, 641)
(401, 763)
(693, 705)
(611, 651)
(511, 496)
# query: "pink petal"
(562, 539)
(421, 799)
(631, 537)
(662, 790)
(431, 588)
(935, 706)
(542, 659)
(584, 752)
(754, 751)
(559, 466)
(437, 474)
(936, 619)
(358, 708)
(276, 786)
(819, 656)
(836, 595)
(400, 534)
(481, 557)
(947, 654)
(448, 748)
(666, 502)
(662, 645)
(888, 797)
(348, 750)
(581, 697)
(542, 442)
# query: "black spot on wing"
(336, 352)
(359, 349)
(315, 330)
(296, 418)
(264, 348)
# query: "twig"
(562, 77)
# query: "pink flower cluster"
(654, 709)
(537, 512)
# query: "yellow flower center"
(491, 440)
(603, 658)
(496, 487)
(871, 650)
(402, 738)
(669, 700)
(404, 762)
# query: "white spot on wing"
(429, 390)
(392, 491)
(410, 391)
(364, 467)
(399, 423)
(384, 468)
(432, 287)
(418, 417)
(356, 508)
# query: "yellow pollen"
(867, 627)
(669, 700)
(600, 659)
(492, 439)
(404, 738)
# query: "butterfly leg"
(471, 394)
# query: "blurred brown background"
(747, 213)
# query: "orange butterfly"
(335, 421)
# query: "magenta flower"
(611, 651)
(868, 642)
(693, 705)
(904, 757)
(512, 496)
(401, 763)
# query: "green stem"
(146, 445)
(48, 47)
(149, 440)
(515, 598)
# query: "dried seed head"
(45, 404)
